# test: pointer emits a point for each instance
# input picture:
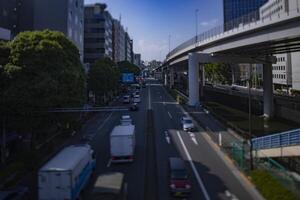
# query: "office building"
(128, 48)
(235, 10)
(285, 71)
(118, 41)
(98, 27)
(61, 15)
(137, 60)
(28, 15)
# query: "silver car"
(187, 124)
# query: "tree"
(127, 67)
(103, 78)
(44, 71)
(218, 73)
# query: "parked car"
(187, 124)
(179, 183)
(19, 193)
(134, 107)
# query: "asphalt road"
(210, 177)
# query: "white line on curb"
(101, 126)
(170, 115)
(109, 163)
(199, 180)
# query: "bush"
(269, 187)
(295, 92)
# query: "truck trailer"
(66, 174)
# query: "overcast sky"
(150, 22)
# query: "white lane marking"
(149, 95)
(170, 115)
(167, 137)
(109, 163)
(230, 195)
(101, 126)
(206, 111)
(189, 158)
(193, 138)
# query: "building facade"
(98, 33)
(128, 48)
(286, 70)
(4, 34)
(118, 41)
(137, 60)
(235, 10)
(68, 18)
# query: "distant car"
(187, 124)
(136, 99)
(179, 183)
(134, 107)
(126, 99)
(126, 120)
(20, 193)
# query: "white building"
(286, 72)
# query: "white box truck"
(122, 143)
(65, 175)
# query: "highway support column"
(268, 90)
(193, 75)
(171, 77)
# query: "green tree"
(127, 67)
(44, 71)
(103, 78)
(218, 73)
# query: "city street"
(210, 177)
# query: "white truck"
(122, 143)
(65, 175)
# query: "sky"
(150, 22)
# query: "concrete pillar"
(268, 91)
(171, 77)
(193, 74)
(202, 81)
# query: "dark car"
(20, 193)
(134, 107)
(180, 185)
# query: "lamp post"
(169, 44)
(196, 15)
(250, 116)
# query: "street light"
(169, 44)
(250, 116)
(196, 15)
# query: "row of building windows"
(92, 21)
(94, 30)
(280, 59)
(271, 5)
(279, 76)
(277, 10)
(279, 67)
(94, 40)
(94, 50)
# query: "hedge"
(269, 187)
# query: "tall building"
(118, 41)
(23, 15)
(68, 18)
(128, 48)
(98, 27)
(137, 60)
(286, 71)
(234, 10)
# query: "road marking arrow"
(167, 137)
(193, 138)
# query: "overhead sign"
(128, 77)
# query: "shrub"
(269, 187)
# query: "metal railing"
(288, 138)
(239, 23)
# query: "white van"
(126, 99)
(136, 99)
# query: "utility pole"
(250, 115)
(196, 15)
